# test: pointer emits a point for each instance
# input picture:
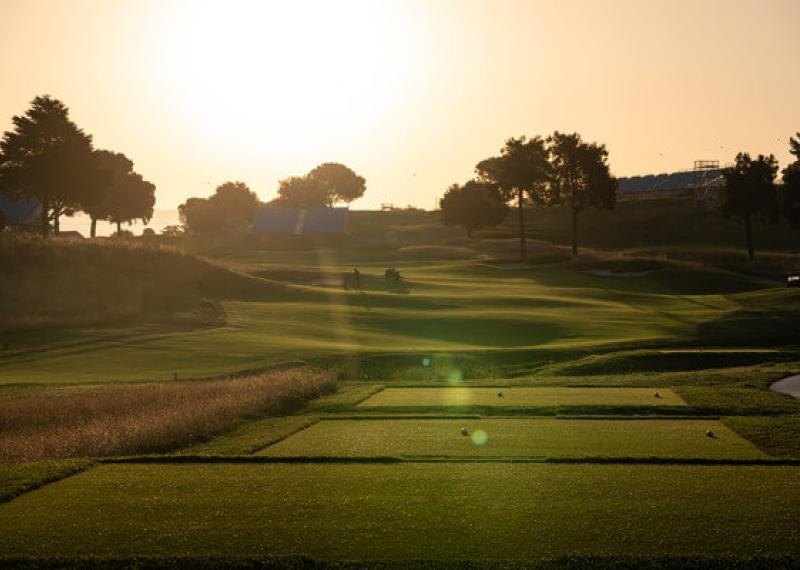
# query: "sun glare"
(278, 72)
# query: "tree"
(342, 184)
(197, 216)
(580, 177)
(790, 192)
(521, 168)
(49, 158)
(132, 198)
(234, 203)
(473, 206)
(117, 167)
(302, 192)
(750, 190)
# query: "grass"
(19, 478)
(778, 436)
(541, 310)
(145, 419)
(409, 512)
(521, 397)
(252, 436)
(516, 438)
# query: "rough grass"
(444, 511)
(516, 438)
(145, 419)
(106, 281)
(778, 436)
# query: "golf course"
(482, 410)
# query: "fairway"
(542, 308)
(521, 397)
(516, 438)
(410, 511)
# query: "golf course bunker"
(523, 397)
(533, 438)
(789, 386)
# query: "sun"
(254, 72)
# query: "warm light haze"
(409, 93)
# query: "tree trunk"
(56, 220)
(750, 252)
(93, 229)
(45, 217)
(523, 248)
(574, 231)
(119, 228)
(469, 233)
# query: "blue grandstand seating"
(672, 181)
(25, 211)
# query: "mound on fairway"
(408, 511)
(522, 397)
(516, 438)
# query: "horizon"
(660, 85)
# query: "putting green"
(522, 397)
(516, 438)
(408, 511)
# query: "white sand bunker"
(790, 386)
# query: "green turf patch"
(521, 397)
(516, 438)
(408, 511)
(19, 478)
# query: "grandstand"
(300, 221)
(700, 183)
(22, 212)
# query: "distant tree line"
(47, 157)
(559, 170)
(751, 190)
(233, 206)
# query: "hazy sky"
(410, 94)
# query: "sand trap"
(790, 386)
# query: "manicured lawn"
(445, 309)
(541, 437)
(409, 511)
(522, 397)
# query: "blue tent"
(300, 221)
(25, 211)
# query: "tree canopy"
(750, 190)
(473, 206)
(341, 183)
(324, 186)
(48, 157)
(790, 192)
(579, 177)
(234, 203)
(302, 192)
(522, 169)
(231, 207)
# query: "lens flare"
(480, 437)
(455, 376)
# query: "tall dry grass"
(151, 418)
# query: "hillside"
(62, 290)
